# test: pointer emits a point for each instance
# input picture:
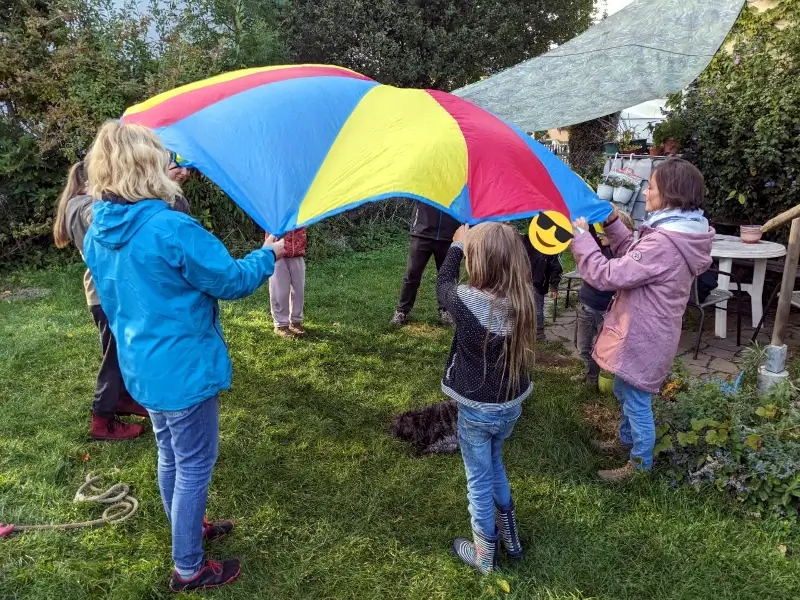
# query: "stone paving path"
(717, 358)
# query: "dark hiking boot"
(112, 429)
(400, 318)
(212, 574)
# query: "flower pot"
(605, 191)
(750, 234)
(606, 383)
(611, 147)
(656, 150)
(622, 195)
(671, 146)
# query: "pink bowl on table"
(750, 234)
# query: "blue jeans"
(539, 299)
(187, 443)
(637, 429)
(480, 435)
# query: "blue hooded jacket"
(159, 274)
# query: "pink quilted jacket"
(653, 278)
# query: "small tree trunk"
(787, 284)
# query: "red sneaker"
(129, 406)
(212, 574)
(112, 429)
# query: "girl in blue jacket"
(159, 275)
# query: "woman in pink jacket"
(653, 278)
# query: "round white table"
(728, 247)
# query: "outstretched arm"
(207, 265)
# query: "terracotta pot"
(656, 150)
(750, 234)
(671, 146)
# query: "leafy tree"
(440, 44)
(744, 117)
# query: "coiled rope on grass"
(122, 506)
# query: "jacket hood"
(116, 223)
(694, 247)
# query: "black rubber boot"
(509, 532)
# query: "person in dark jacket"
(431, 235)
(593, 306)
(546, 275)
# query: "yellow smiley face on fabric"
(550, 232)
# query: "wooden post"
(787, 284)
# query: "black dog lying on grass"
(432, 430)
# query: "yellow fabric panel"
(396, 142)
(151, 102)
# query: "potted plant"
(611, 145)
(623, 190)
(671, 135)
(749, 234)
(656, 149)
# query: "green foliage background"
(68, 65)
(742, 118)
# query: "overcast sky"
(615, 5)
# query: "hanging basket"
(622, 195)
(605, 191)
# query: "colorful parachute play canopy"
(295, 144)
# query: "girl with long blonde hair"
(159, 275)
(111, 397)
(488, 374)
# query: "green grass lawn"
(327, 504)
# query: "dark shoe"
(127, 406)
(215, 530)
(445, 318)
(112, 429)
(400, 318)
(297, 329)
(212, 574)
(479, 554)
(540, 335)
(618, 475)
(285, 333)
(509, 532)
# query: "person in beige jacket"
(111, 397)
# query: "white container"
(622, 195)
(605, 191)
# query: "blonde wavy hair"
(131, 162)
(496, 262)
